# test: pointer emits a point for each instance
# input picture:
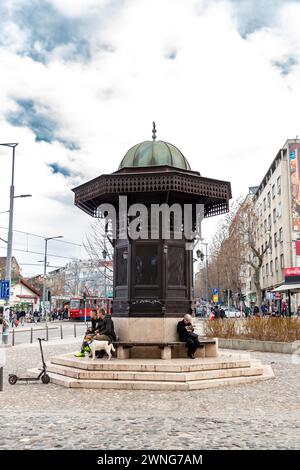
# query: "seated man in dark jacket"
(105, 327)
(105, 330)
(186, 334)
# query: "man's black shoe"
(191, 356)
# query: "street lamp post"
(10, 234)
(45, 273)
(104, 254)
(206, 270)
(201, 256)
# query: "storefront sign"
(294, 156)
(292, 275)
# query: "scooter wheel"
(12, 379)
(45, 378)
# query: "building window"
(265, 204)
(176, 266)
(275, 239)
(276, 264)
(146, 265)
(279, 210)
(278, 185)
(270, 244)
(267, 269)
(121, 272)
(281, 261)
(274, 216)
(269, 199)
(262, 249)
(265, 225)
(269, 222)
(271, 268)
(273, 191)
(280, 235)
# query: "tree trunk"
(257, 287)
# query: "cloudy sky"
(82, 80)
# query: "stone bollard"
(74, 330)
(5, 331)
(31, 335)
(61, 332)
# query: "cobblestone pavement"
(262, 415)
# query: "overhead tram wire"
(41, 236)
(38, 253)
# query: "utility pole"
(104, 254)
(200, 255)
(10, 238)
(206, 269)
(45, 274)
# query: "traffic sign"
(4, 290)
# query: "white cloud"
(75, 8)
(220, 97)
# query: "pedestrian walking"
(247, 311)
(217, 312)
(22, 317)
(256, 311)
(222, 313)
(283, 312)
(35, 316)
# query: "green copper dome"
(154, 153)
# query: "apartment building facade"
(277, 204)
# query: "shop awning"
(286, 287)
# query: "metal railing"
(63, 331)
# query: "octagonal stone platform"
(155, 374)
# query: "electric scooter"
(13, 379)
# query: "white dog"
(100, 345)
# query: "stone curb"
(263, 346)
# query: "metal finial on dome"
(154, 131)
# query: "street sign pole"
(10, 235)
(5, 290)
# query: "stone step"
(154, 376)
(156, 385)
(152, 365)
